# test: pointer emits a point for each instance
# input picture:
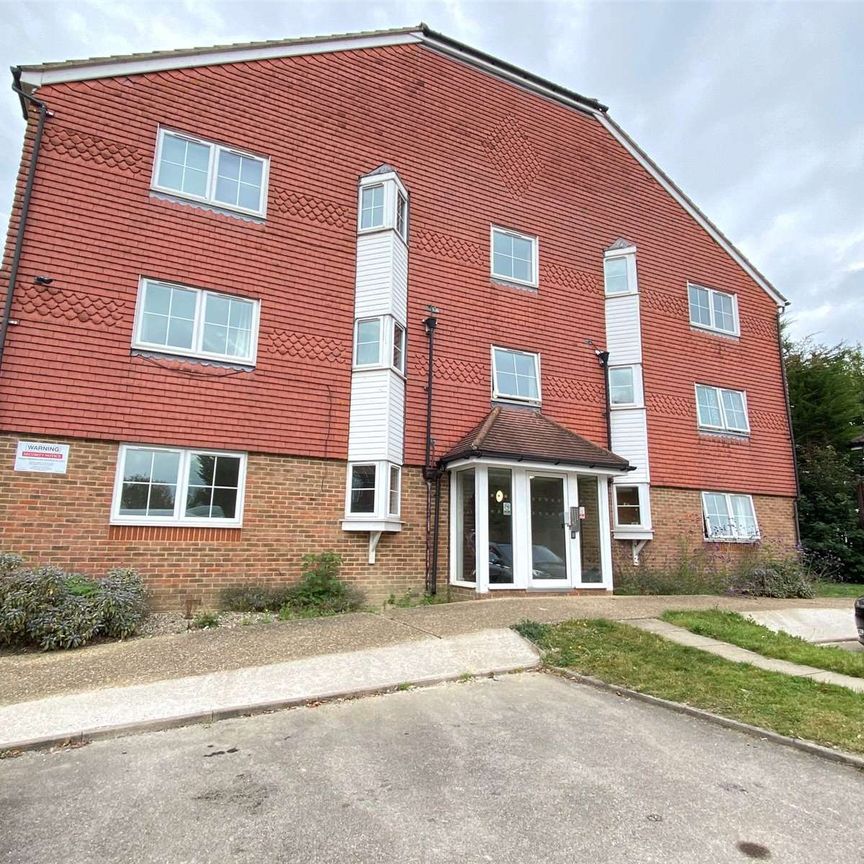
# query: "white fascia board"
(141, 66)
(652, 168)
(539, 467)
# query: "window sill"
(513, 401)
(633, 534)
(710, 331)
(628, 407)
(176, 523)
(612, 296)
(210, 206)
(739, 541)
(724, 434)
(371, 523)
(502, 282)
(203, 360)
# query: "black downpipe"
(429, 473)
(603, 360)
(791, 431)
(44, 113)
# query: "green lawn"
(735, 628)
(839, 589)
(642, 661)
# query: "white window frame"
(381, 341)
(735, 536)
(376, 507)
(635, 373)
(644, 524)
(535, 245)
(178, 519)
(397, 326)
(393, 188)
(197, 325)
(387, 325)
(398, 490)
(496, 393)
(712, 326)
(725, 427)
(369, 187)
(210, 197)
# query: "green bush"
(253, 598)
(776, 577)
(205, 620)
(320, 590)
(52, 609)
(694, 571)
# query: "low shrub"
(205, 620)
(51, 609)
(253, 598)
(776, 577)
(694, 571)
(320, 590)
(533, 631)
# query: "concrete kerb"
(99, 733)
(736, 725)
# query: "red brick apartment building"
(362, 293)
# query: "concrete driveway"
(527, 768)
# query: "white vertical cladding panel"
(396, 419)
(630, 440)
(623, 330)
(399, 298)
(368, 431)
(375, 274)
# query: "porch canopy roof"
(524, 434)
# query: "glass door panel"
(500, 526)
(589, 501)
(548, 531)
(466, 555)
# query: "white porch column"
(481, 530)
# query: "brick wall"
(678, 529)
(293, 507)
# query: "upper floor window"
(721, 409)
(729, 517)
(515, 375)
(514, 257)
(165, 485)
(713, 310)
(616, 276)
(378, 338)
(622, 387)
(205, 171)
(196, 323)
(401, 215)
(372, 207)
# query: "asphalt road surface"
(527, 768)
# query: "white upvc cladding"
(628, 424)
(377, 416)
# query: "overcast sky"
(755, 109)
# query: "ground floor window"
(165, 485)
(465, 529)
(729, 517)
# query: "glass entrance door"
(549, 532)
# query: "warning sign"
(42, 456)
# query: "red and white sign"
(44, 456)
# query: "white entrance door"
(550, 557)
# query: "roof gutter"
(44, 114)
(503, 69)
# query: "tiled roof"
(526, 434)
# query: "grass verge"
(839, 589)
(740, 631)
(619, 654)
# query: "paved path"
(742, 655)
(35, 675)
(526, 768)
(814, 625)
(181, 701)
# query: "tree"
(826, 394)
